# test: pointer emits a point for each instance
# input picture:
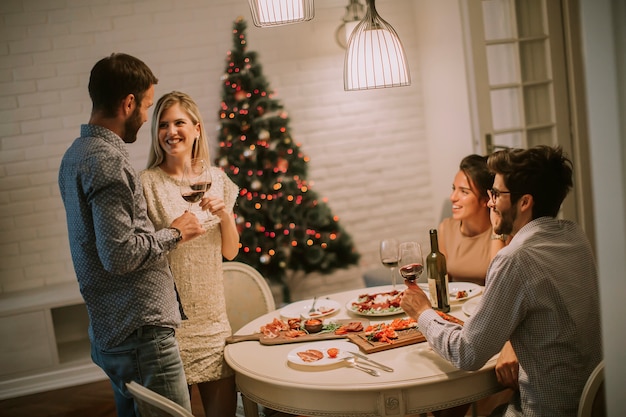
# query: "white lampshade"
(353, 15)
(267, 13)
(375, 57)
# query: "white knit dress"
(197, 269)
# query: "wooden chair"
(151, 404)
(592, 403)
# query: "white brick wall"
(368, 150)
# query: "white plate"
(470, 306)
(349, 306)
(322, 346)
(472, 290)
(323, 307)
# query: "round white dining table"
(421, 381)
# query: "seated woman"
(466, 238)
(468, 243)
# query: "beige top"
(197, 269)
(467, 258)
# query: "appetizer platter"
(385, 303)
(294, 330)
(397, 333)
(380, 304)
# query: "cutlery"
(312, 309)
(352, 363)
(365, 358)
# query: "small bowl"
(313, 325)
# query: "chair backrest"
(151, 404)
(592, 399)
(247, 293)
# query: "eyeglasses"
(494, 193)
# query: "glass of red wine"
(389, 256)
(411, 261)
(196, 181)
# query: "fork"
(352, 363)
(312, 309)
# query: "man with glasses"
(541, 291)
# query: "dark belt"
(147, 329)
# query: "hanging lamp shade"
(354, 14)
(375, 57)
(266, 13)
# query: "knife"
(365, 358)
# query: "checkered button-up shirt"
(119, 259)
(542, 295)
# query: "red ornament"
(240, 95)
(282, 164)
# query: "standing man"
(119, 259)
(541, 291)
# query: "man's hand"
(507, 367)
(189, 226)
(414, 301)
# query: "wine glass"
(411, 261)
(389, 257)
(196, 181)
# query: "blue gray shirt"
(542, 295)
(119, 259)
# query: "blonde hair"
(156, 155)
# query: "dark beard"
(507, 219)
(131, 126)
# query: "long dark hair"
(475, 169)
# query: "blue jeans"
(150, 357)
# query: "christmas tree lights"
(283, 224)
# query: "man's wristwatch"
(177, 233)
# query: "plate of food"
(469, 306)
(321, 353)
(461, 291)
(384, 303)
(323, 307)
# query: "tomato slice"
(332, 352)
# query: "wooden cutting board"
(281, 339)
(405, 337)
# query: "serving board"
(405, 337)
(281, 339)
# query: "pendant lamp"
(267, 13)
(375, 57)
(352, 17)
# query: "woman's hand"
(215, 205)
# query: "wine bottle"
(437, 275)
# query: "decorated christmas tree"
(283, 225)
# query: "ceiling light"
(375, 57)
(354, 13)
(266, 13)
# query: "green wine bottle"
(437, 275)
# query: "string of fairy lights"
(258, 158)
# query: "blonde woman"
(178, 135)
